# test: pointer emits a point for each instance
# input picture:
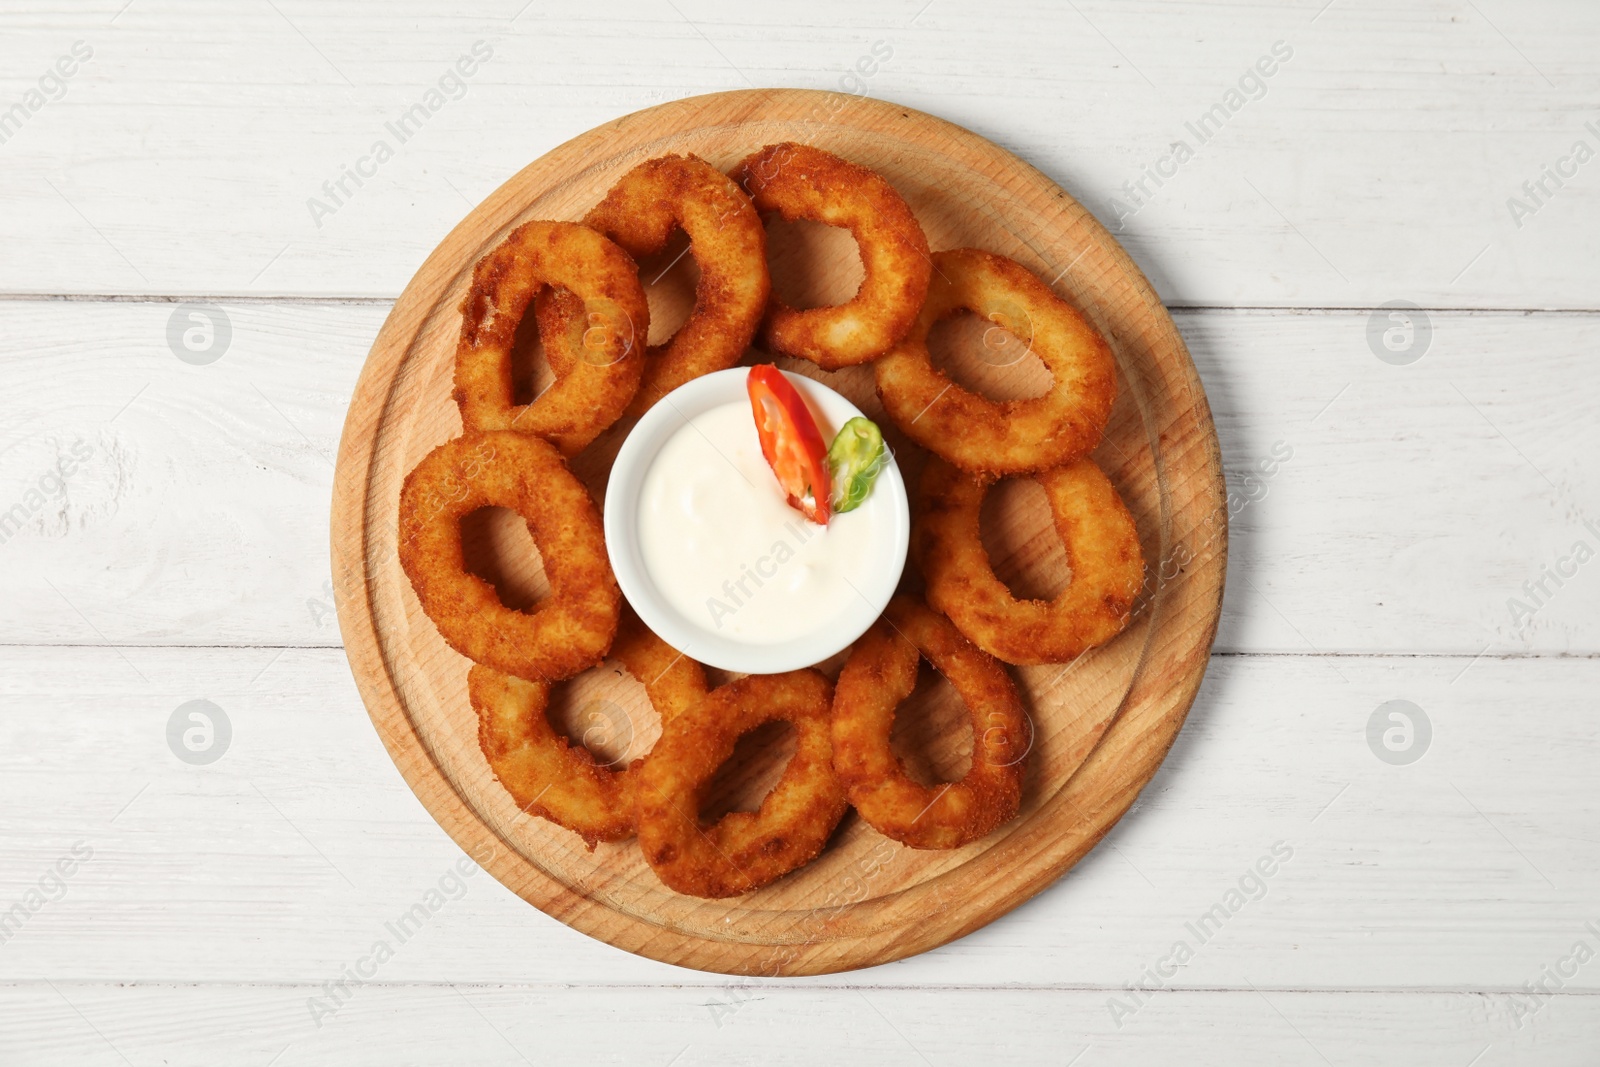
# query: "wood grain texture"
(1425, 877)
(861, 902)
(1412, 505)
(771, 1025)
(1377, 164)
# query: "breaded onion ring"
(559, 315)
(604, 345)
(801, 182)
(744, 850)
(673, 682)
(565, 633)
(881, 672)
(728, 244)
(547, 775)
(1014, 436)
(1103, 552)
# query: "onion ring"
(554, 310)
(673, 682)
(880, 674)
(604, 355)
(1103, 551)
(744, 850)
(1015, 436)
(729, 245)
(553, 779)
(801, 182)
(567, 632)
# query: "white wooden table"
(1440, 911)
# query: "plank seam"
(336, 299)
(1215, 653)
(789, 984)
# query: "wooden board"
(1102, 724)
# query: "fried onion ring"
(744, 850)
(801, 182)
(673, 682)
(604, 346)
(556, 311)
(880, 674)
(1103, 552)
(568, 631)
(729, 245)
(553, 779)
(1015, 436)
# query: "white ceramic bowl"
(698, 640)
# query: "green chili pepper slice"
(854, 460)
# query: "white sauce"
(725, 549)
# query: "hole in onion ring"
(497, 547)
(530, 371)
(746, 777)
(716, 677)
(812, 264)
(669, 278)
(932, 733)
(1018, 532)
(607, 711)
(985, 359)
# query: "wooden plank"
(228, 464)
(1412, 507)
(771, 1023)
(1472, 869)
(1375, 163)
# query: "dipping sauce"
(727, 552)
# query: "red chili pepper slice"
(790, 441)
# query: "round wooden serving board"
(1101, 724)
